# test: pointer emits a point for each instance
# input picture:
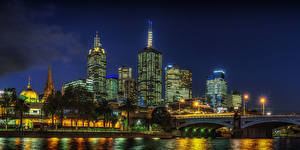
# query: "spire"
(97, 40)
(49, 87)
(149, 42)
(28, 86)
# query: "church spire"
(149, 42)
(29, 86)
(49, 87)
(97, 40)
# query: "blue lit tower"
(216, 88)
(150, 73)
(96, 68)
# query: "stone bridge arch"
(217, 121)
(258, 122)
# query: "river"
(152, 144)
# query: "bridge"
(242, 126)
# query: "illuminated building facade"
(96, 69)
(185, 84)
(49, 87)
(124, 73)
(234, 100)
(130, 89)
(150, 73)
(85, 83)
(216, 88)
(178, 84)
(112, 87)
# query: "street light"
(246, 97)
(263, 101)
(180, 101)
(196, 104)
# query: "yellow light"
(246, 96)
(182, 101)
(196, 104)
(262, 100)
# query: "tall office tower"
(130, 89)
(178, 84)
(150, 73)
(172, 88)
(97, 69)
(124, 73)
(185, 84)
(112, 87)
(49, 87)
(216, 88)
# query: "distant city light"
(219, 71)
(269, 113)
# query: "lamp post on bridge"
(196, 104)
(245, 98)
(263, 101)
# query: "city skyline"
(238, 72)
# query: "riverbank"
(82, 134)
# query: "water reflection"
(147, 143)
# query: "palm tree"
(9, 97)
(129, 106)
(21, 107)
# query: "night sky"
(258, 44)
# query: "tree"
(104, 110)
(52, 106)
(21, 107)
(162, 117)
(9, 97)
(76, 97)
(129, 106)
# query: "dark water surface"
(152, 143)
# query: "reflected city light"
(53, 143)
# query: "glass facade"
(96, 69)
(112, 87)
(86, 83)
(216, 88)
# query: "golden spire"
(28, 86)
(149, 42)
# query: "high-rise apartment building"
(97, 69)
(150, 73)
(130, 89)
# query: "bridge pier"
(257, 132)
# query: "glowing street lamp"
(263, 100)
(196, 104)
(181, 101)
(246, 97)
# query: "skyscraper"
(150, 73)
(85, 83)
(130, 89)
(124, 73)
(185, 84)
(172, 89)
(216, 88)
(178, 84)
(112, 87)
(97, 69)
(49, 87)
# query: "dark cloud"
(26, 42)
